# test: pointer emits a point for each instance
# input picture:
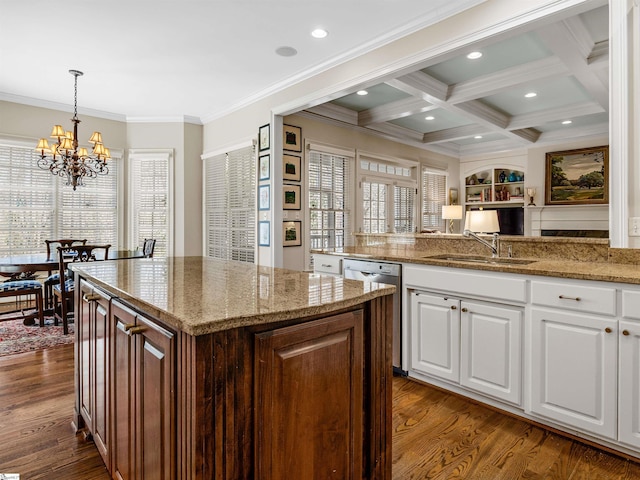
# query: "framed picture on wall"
(577, 177)
(291, 167)
(264, 134)
(292, 234)
(292, 138)
(264, 197)
(291, 197)
(263, 163)
(264, 233)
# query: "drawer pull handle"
(453, 307)
(564, 297)
(135, 331)
(608, 330)
(326, 265)
(90, 297)
(625, 332)
(465, 310)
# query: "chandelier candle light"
(65, 159)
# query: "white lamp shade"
(482, 221)
(452, 212)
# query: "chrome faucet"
(494, 245)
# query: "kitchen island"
(194, 368)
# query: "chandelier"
(65, 159)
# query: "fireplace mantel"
(565, 217)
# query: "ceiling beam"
(394, 110)
(456, 133)
(554, 115)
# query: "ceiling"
(195, 59)
(479, 106)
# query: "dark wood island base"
(297, 398)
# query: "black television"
(510, 219)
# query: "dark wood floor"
(436, 435)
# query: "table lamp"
(451, 213)
(531, 192)
(482, 221)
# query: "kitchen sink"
(478, 259)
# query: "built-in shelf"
(495, 186)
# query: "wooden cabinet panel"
(310, 385)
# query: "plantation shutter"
(149, 199)
(329, 199)
(403, 205)
(230, 205)
(374, 207)
(91, 211)
(434, 196)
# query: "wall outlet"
(634, 226)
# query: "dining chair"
(64, 289)
(54, 278)
(148, 246)
(18, 285)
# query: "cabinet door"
(83, 356)
(490, 350)
(435, 336)
(122, 389)
(101, 374)
(629, 394)
(155, 400)
(574, 369)
(309, 385)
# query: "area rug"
(15, 337)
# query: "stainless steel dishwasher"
(381, 272)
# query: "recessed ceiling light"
(567, 122)
(362, 92)
(531, 95)
(474, 55)
(319, 33)
(429, 118)
(478, 137)
(286, 51)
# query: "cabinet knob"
(453, 307)
(625, 332)
(608, 330)
(464, 309)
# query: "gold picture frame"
(577, 177)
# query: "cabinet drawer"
(327, 264)
(574, 296)
(631, 304)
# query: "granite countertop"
(200, 295)
(607, 271)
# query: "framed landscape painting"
(291, 197)
(292, 234)
(577, 177)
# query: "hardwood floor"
(436, 435)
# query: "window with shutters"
(36, 205)
(230, 205)
(329, 199)
(150, 198)
(434, 196)
(388, 189)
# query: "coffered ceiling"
(460, 106)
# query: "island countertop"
(200, 295)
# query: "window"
(149, 205)
(230, 205)
(329, 199)
(36, 205)
(388, 189)
(434, 196)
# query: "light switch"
(634, 227)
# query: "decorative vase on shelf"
(502, 177)
(512, 177)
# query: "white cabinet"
(629, 370)
(327, 264)
(435, 336)
(573, 369)
(491, 350)
(475, 344)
